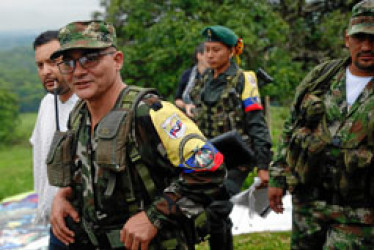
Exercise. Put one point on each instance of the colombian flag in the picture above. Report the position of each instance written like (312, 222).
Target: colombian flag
(250, 96)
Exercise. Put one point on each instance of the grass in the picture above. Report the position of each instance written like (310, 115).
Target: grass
(257, 241)
(16, 160)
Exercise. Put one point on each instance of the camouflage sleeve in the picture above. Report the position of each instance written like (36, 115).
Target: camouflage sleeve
(278, 168)
(171, 142)
(255, 124)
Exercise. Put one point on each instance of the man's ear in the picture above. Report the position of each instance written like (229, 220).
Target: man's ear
(346, 39)
(118, 58)
(232, 53)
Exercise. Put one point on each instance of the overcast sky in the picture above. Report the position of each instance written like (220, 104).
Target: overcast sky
(40, 15)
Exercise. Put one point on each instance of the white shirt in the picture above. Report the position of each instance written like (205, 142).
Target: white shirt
(41, 139)
(354, 86)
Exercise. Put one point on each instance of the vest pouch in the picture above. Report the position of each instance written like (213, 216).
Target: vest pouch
(356, 181)
(60, 159)
(313, 109)
(304, 154)
(294, 149)
(111, 141)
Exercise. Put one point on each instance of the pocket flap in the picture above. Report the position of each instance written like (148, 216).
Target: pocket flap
(110, 124)
(58, 137)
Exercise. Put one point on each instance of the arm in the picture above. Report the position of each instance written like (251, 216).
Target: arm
(279, 168)
(255, 124)
(181, 86)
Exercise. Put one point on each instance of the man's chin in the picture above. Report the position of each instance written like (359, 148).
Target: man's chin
(368, 68)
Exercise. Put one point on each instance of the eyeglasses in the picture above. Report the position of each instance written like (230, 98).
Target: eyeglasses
(87, 61)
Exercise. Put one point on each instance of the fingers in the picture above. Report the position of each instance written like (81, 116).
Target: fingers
(275, 196)
(62, 209)
(62, 232)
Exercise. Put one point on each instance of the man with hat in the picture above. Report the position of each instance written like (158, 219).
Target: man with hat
(133, 169)
(227, 100)
(325, 158)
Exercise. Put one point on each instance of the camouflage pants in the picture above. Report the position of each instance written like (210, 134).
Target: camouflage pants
(317, 225)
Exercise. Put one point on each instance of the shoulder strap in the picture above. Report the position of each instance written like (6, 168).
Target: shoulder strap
(130, 101)
(74, 116)
(321, 79)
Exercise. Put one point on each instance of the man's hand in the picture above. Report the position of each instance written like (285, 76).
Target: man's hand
(264, 177)
(138, 231)
(61, 208)
(275, 197)
(189, 110)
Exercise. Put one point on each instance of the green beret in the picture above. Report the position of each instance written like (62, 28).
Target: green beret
(221, 34)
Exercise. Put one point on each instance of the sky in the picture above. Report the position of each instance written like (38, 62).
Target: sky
(41, 15)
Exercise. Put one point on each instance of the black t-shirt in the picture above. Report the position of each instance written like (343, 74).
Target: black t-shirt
(183, 83)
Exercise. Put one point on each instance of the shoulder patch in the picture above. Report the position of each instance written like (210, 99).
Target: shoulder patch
(250, 95)
(174, 126)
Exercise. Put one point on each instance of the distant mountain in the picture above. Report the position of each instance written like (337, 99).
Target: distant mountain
(18, 73)
(10, 40)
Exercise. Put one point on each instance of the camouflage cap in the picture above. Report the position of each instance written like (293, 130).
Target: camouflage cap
(86, 35)
(221, 34)
(362, 20)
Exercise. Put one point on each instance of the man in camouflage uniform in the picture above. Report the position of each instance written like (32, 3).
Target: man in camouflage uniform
(130, 192)
(325, 158)
(227, 99)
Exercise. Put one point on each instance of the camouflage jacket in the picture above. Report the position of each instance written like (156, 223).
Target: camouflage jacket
(221, 100)
(326, 144)
(184, 168)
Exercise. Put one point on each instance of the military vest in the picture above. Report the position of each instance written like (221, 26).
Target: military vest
(125, 185)
(330, 148)
(225, 115)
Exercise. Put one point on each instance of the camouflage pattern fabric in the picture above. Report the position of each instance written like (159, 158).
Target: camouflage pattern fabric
(106, 206)
(362, 20)
(317, 225)
(86, 35)
(326, 157)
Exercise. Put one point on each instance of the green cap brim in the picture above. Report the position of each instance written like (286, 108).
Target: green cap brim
(79, 45)
(355, 29)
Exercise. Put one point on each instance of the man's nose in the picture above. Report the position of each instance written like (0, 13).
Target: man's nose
(78, 70)
(47, 69)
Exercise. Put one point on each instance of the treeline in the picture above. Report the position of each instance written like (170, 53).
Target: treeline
(18, 76)
(285, 37)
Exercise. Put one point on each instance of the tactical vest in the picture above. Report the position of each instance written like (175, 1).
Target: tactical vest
(120, 161)
(225, 115)
(343, 167)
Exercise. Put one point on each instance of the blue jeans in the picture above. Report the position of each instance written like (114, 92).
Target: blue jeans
(55, 243)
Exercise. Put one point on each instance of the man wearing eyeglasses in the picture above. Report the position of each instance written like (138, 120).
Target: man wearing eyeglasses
(137, 168)
(44, 45)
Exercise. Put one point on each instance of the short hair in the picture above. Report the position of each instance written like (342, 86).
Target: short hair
(45, 37)
(199, 49)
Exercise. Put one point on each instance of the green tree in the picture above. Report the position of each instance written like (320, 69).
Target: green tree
(8, 114)
(158, 37)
